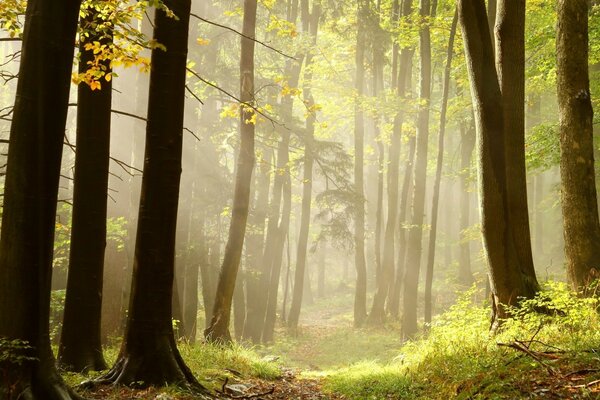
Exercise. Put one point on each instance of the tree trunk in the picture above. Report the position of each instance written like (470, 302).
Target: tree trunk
(30, 195)
(80, 346)
(283, 230)
(385, 280)
(300, 272)
(508, 283)
(438, 173)
(510, 64)
(579, 197)
(149, 355)
(415, 233)
(360, 295)
(254, 248)
(218, 329)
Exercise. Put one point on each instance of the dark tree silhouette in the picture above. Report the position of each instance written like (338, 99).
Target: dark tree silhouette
(149, 355)
(80, 346)
(30, 196)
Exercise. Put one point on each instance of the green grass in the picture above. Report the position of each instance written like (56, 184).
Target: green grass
(461, 359)
(211, 364)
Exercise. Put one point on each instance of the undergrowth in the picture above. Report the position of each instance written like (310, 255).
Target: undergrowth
(211, 364)
(533, 355)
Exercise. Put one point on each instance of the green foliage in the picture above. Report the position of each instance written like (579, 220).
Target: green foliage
(14, 352)
(459, 358)
(542, 150)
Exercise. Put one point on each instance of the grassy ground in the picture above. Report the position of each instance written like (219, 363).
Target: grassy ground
(534, 356)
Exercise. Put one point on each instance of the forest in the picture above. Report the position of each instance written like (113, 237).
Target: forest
(299, 199)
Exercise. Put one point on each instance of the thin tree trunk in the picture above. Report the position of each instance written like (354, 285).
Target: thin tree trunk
(438, 173)
(283, 230)
(255, 312)
(296, 305)
(219, 326)
(467, 144)
(579, 197)
(415, 233)
(385, 281)
(30, 195)
(360, 295)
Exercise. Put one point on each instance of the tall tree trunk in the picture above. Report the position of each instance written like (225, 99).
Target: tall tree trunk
(255, 312)
(385, 280)
(510, 64)
(149, 353)
(283, 230)
(407, 186)
(360, 295)
(508, 283)
(80, 346)
(415, 233)
(579, 197)
(438, 173)
(219, 326)
(309, 150)
(30, 195)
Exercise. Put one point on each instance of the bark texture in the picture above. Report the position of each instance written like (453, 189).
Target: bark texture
(579, 197)
(508, 283)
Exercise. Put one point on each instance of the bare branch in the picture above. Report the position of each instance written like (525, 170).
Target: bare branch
(242, 35)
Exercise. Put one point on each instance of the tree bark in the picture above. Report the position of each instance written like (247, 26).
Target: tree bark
(508, 283)
(579, 196)
(415, 233)
(218, 329)
(510, 64)
(438, 173)
(30, 196)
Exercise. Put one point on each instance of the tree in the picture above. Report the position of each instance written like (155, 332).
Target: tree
(218, 330)
(312, 26)
(30, 198)
(438, 172)
(385, 280)
(360, 296)
(80, 346)
(579, 197)
(510, 282)
(149, 355)
(415, 233)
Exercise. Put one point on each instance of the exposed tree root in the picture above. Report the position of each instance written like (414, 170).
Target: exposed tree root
(160, 367)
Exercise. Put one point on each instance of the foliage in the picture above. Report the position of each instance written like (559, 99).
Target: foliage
(459, 358)
(542, 149)
(11, 16)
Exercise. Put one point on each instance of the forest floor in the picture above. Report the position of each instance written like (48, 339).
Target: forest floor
(329, 359)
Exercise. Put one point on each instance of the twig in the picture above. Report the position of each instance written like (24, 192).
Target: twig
(242, 35)
(530, 353)
(190, 91)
